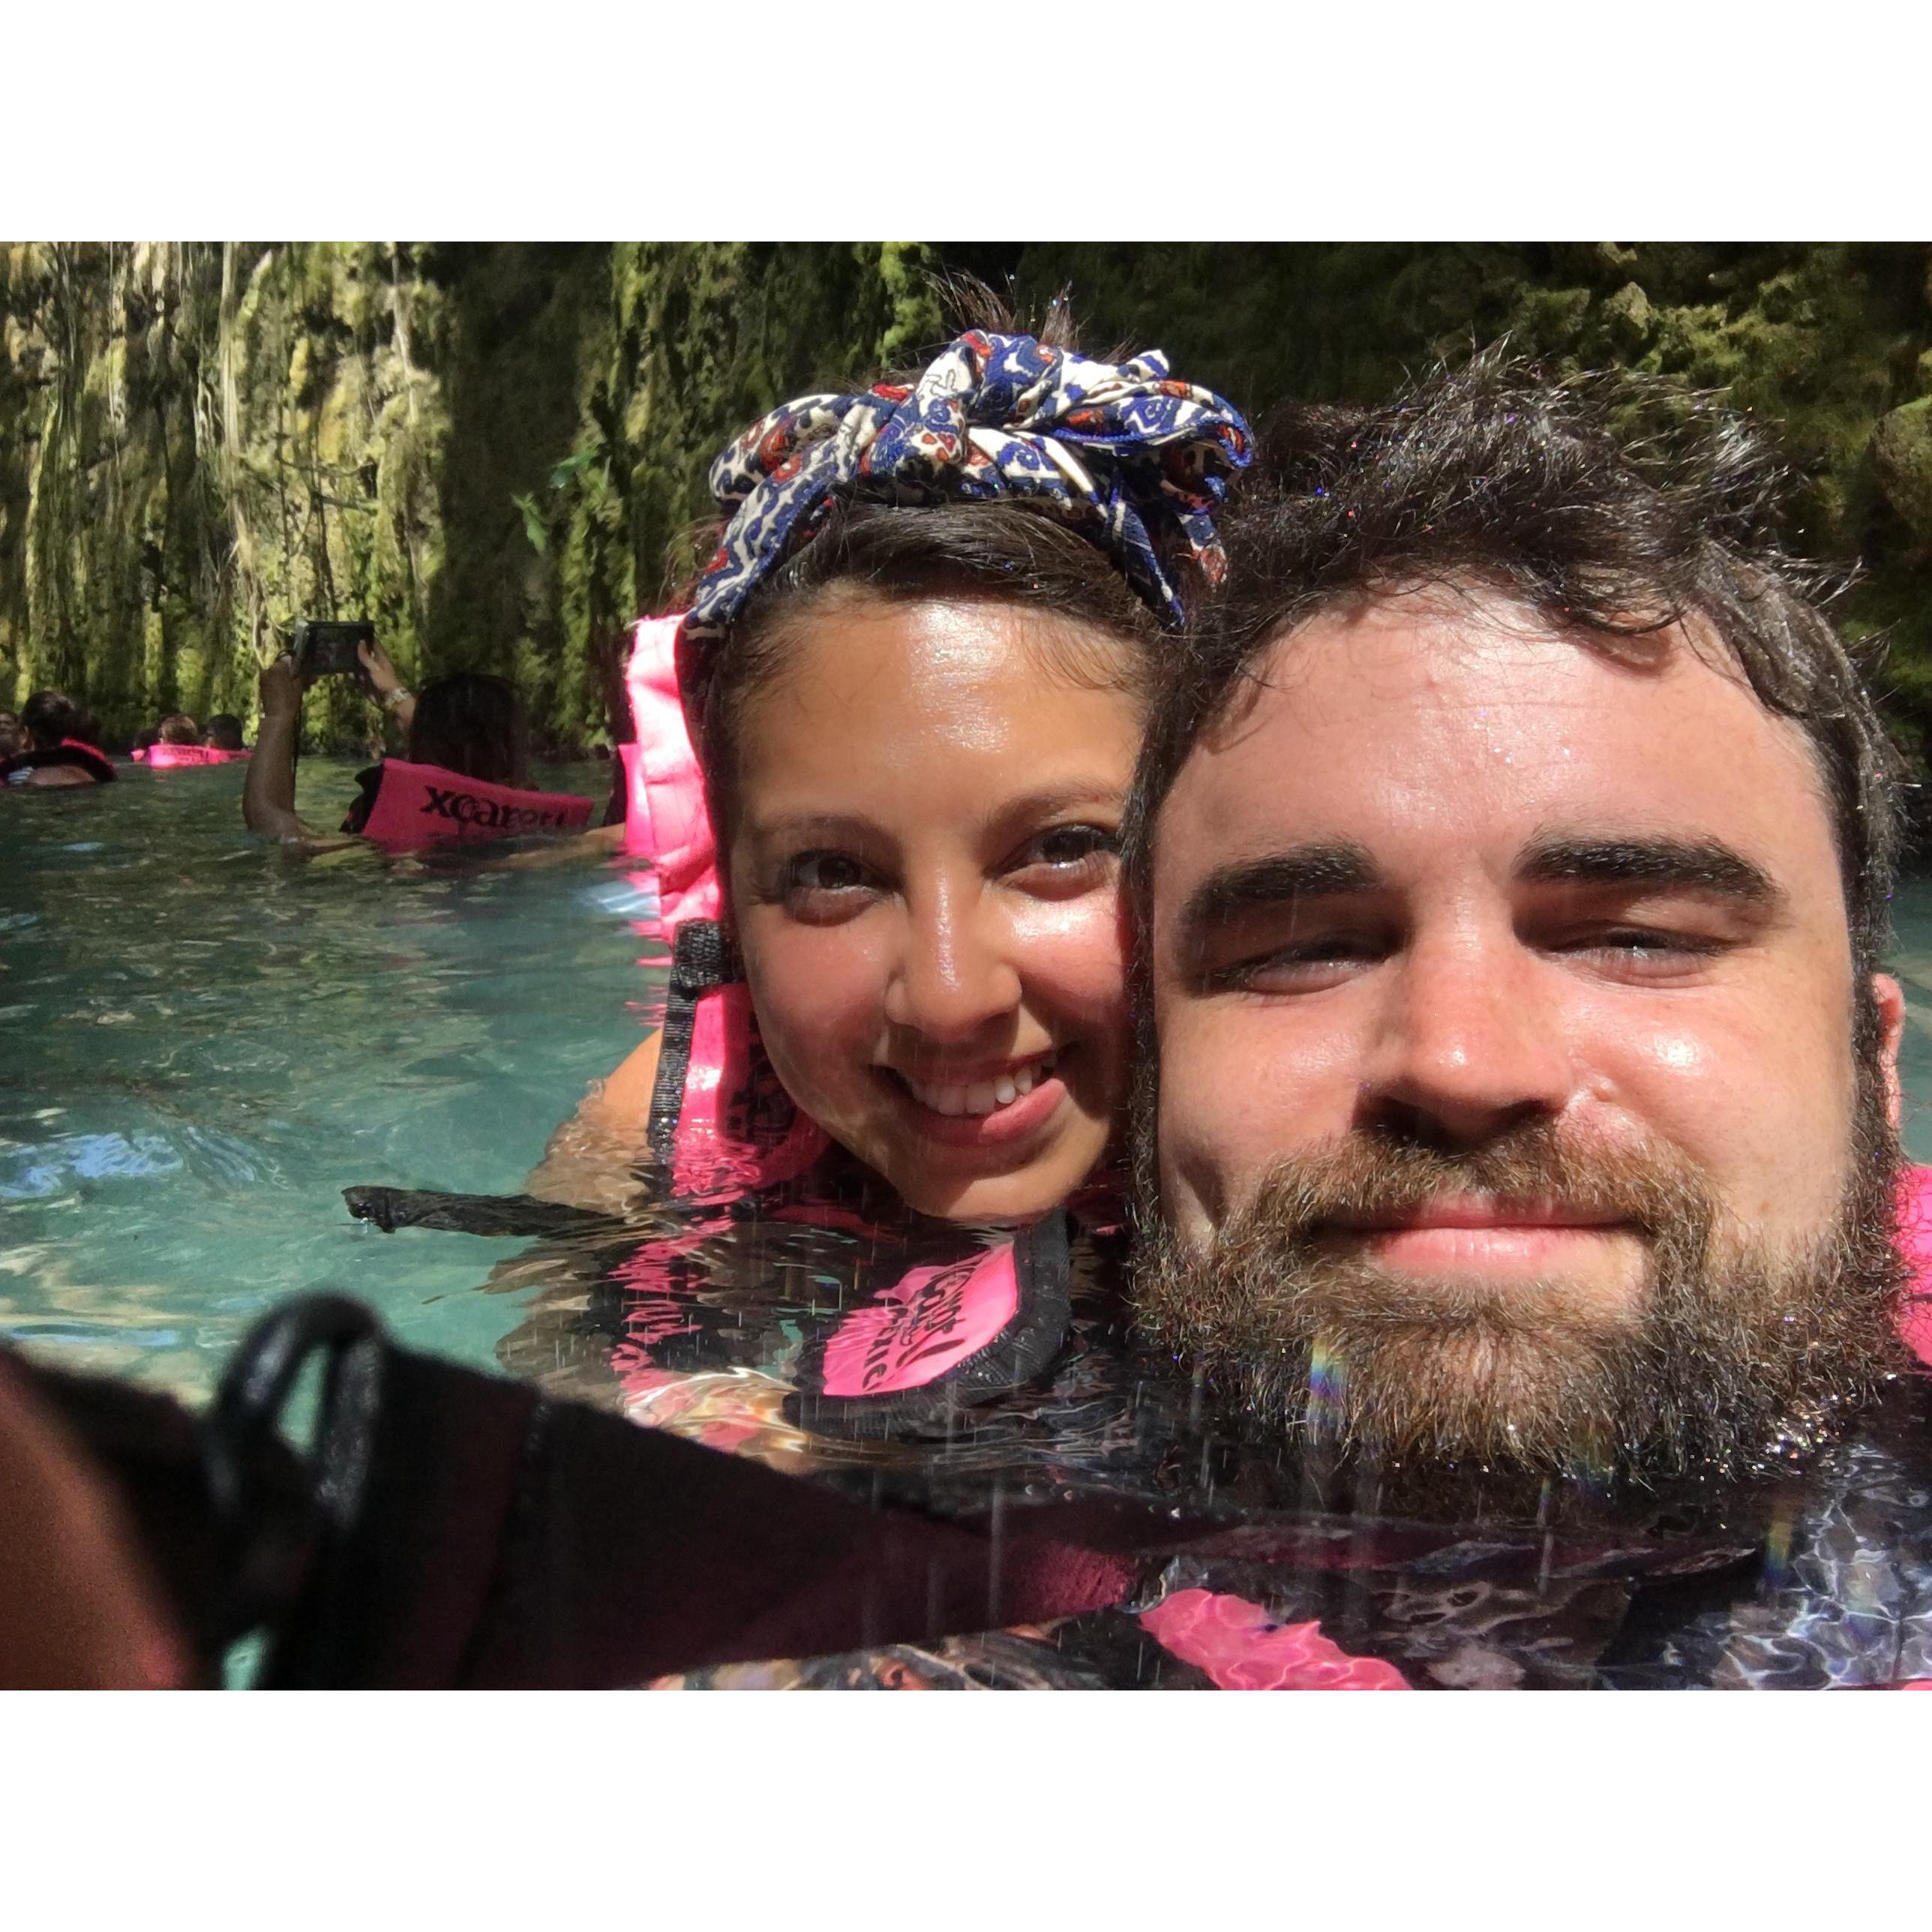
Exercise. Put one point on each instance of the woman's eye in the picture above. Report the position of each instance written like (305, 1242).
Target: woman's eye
(1066, 846)
(822, 872)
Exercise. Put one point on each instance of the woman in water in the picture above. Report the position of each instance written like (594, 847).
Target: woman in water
(466, 775)
(915, 671)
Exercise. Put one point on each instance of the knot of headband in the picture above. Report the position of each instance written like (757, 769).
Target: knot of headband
(1118, 452)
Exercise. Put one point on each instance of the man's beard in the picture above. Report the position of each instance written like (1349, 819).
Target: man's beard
(1736, 1352)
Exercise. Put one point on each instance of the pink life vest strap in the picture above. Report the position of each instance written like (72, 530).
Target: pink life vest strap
(425, 804)
(665, 817)
(160, 757)
(1915, 1243)
(721, 1124)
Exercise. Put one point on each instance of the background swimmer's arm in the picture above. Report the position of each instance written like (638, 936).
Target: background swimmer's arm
(398, 700)
(598, 843)
(268, 792)
(589, 1160)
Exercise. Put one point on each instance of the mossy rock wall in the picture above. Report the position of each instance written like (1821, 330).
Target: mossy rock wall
(492, 450)
(488, 450)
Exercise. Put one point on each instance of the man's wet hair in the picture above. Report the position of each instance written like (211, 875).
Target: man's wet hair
(224, 732)
(1614, 505)
(177, 728)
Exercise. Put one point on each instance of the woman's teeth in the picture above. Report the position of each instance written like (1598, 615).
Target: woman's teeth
(983, 1096)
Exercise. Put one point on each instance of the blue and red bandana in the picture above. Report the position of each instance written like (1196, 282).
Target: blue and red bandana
(1116, 451)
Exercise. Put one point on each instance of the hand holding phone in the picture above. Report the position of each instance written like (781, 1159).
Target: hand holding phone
(330, 650)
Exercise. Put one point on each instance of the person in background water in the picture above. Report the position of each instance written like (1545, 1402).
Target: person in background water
(56, 745)
(467, 738)
(224, 732)
(10, 734)
(177, 728)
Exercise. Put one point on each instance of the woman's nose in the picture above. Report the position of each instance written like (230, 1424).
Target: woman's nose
(955, 971)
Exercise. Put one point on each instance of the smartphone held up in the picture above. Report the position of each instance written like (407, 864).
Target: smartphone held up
(329, 650)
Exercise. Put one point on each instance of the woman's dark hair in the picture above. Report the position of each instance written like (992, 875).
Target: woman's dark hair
(872, 545)
(1614, 505)
(224, 732)
(52, 716)
(474, 724)
(177, 728)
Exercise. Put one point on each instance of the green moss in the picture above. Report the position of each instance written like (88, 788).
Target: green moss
(200, 443)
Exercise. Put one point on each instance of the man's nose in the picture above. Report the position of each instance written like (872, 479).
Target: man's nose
(1473, 1043)
(955, 971)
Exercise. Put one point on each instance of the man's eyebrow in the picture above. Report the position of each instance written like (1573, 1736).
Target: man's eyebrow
(1700, 865)
(1276, 878)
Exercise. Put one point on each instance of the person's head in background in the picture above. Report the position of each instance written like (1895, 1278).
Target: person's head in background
(146, 738)
(917, 668)
(49, 717)
(224, 732)
(177, 728)
(10, 734)
(473, 724)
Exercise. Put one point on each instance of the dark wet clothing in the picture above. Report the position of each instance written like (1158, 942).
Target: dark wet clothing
(368, 782)
(1259, 1565)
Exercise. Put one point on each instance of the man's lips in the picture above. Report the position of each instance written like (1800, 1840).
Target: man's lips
(1475, 1211)
(1477, 1236)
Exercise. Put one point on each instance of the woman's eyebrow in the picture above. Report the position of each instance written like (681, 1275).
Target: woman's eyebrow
(790, 825)
(1696, 864)
(1277, 878)
(1087, 793)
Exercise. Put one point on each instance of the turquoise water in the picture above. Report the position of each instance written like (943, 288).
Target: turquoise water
(202, 1041)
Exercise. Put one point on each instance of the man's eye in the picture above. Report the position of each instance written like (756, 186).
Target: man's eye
(1642, 951)
(1307, 966)
(1067, 846)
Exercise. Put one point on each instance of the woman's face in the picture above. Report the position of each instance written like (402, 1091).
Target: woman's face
(924, 886)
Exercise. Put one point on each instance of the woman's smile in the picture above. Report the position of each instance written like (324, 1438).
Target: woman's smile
(932, 931)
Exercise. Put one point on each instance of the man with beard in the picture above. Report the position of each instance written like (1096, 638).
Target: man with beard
(1516, 854)
(1512, 857)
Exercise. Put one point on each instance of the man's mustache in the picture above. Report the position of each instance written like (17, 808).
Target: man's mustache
(1375, 1177)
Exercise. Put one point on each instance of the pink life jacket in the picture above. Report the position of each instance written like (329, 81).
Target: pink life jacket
(425, 804)
(160, 757)
(720, 1121)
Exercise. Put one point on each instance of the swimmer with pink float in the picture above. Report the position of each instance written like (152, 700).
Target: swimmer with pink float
(462, 782)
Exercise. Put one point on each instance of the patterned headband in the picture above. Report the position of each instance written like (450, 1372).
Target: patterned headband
(1115, 452)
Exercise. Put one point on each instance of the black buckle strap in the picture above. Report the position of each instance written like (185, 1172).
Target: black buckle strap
(274, 1557)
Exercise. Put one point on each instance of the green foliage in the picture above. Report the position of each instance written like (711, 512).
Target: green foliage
(499, 452)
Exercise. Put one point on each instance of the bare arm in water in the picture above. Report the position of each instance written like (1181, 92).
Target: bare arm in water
(268, 792)
(590, 1159)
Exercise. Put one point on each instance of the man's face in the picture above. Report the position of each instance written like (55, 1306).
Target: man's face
(1508, 967)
